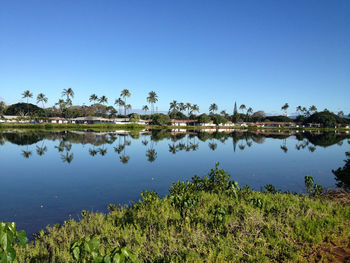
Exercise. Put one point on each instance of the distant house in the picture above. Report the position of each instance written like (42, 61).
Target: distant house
(144, 122)
(313, 125)
(276, 124)
(227, 124)
(91, 120)
(207, 124)
(183, 122)
(57, 120)
(10, 118)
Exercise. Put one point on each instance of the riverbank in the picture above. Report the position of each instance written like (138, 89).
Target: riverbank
(208, 219)
(134, 126)
(50, 126)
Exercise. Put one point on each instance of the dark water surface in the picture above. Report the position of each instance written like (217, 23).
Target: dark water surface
(48, 177)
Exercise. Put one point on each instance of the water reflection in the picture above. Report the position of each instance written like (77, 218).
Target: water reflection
(36, 141)
(342, 174)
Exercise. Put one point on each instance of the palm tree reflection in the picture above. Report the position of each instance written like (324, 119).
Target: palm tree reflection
(151, 155)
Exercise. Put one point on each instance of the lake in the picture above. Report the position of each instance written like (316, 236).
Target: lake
(49, 176)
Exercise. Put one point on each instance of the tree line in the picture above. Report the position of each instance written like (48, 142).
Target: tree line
(177, 110)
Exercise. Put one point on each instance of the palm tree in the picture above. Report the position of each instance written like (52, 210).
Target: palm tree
(223, 113)
(188, 106)
(68, 93)
(120, 103)
(195, 107)
(313, 109)
(125, 94)
(249, 112)
(62, 105)
(299, 109)
(27, 94)
(145, 108)
(213, 107)
(93, 98)
(128, 107)
(41, 98)
(152, 99)
(2, 107)
(174, 107)
(103, 100)
(284, 108)
(242, 108)
(182, 107)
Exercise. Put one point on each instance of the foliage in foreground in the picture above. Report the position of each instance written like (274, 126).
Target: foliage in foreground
(207, 219)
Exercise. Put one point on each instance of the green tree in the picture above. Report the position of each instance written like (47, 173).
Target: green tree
(103, 100)
(135, 117)
(27, 94)
(204, 118)
(152, 99)
(249, 112)
(93, 98)
(313, 109)
(174, 107)
(2, 107)
(120, 103)
(242, 108)
(145, 108)
(68, 93)
(284, 108)
(62, 105)
(182, 107)
(160, 119)
(235, 115)
(188, 107)
(299, 109)
(195, 108)
(213, 108)
(125, 94)
(218, 119)
(128, 107)
(41, 98)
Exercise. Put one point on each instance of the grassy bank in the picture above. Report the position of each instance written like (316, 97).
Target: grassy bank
(208, 219)
(49, 126)
(133, 126)
(250, 128)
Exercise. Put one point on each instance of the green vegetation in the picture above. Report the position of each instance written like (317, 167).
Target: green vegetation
(207, 219)
(327, 119)
(20, 109)
(106, 126)
(8, 238)
(160, 119)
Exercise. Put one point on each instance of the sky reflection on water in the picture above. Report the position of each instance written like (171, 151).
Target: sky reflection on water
(47, 177)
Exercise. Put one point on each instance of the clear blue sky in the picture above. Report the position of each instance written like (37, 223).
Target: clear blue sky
(260, 53)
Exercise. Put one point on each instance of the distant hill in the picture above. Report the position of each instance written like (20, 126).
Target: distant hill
(22, 109)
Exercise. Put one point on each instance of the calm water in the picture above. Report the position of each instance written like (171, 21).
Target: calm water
(47, 177)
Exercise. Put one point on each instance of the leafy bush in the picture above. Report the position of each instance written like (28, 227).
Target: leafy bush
(8, 238)
(160, 119)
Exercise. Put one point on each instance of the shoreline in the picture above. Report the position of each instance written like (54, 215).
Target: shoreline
(134, 126)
